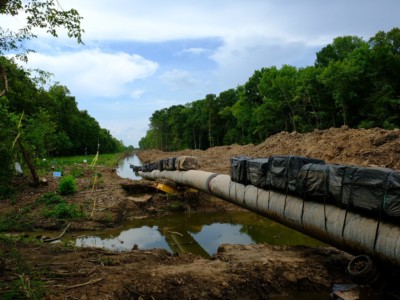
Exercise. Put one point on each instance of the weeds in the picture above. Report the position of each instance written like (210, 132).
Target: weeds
(13, 222)
(50, 199)
(23, 283)
(63, 210)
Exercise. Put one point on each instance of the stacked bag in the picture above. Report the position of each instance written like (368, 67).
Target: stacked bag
(373, 191)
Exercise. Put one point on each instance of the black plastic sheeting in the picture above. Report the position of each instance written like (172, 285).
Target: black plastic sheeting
(257, 170)
(151, 167)
(238, 169)
(368, 190)
(374, 191)
(283, 171)
(169, 164)
(312, 182)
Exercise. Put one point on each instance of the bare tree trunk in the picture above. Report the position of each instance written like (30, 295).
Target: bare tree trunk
(29, 163)
(4, 81)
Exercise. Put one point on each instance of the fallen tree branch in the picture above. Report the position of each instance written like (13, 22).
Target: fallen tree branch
(56, 238)
(93, 281)
(175, 232)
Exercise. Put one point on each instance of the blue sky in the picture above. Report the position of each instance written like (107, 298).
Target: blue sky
(140, 56)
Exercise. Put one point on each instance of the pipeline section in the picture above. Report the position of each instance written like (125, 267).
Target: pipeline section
(332, 225)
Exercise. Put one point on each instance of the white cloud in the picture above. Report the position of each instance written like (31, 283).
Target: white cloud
(194, 51)
(136, 94)
(238, 58)
(179, 79)
(93, 72)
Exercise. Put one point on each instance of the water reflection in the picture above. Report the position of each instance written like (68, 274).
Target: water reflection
(144, 238)
(124, 167)
(200, 234)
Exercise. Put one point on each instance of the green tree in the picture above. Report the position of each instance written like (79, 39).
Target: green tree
(20, 91)
(382, 105)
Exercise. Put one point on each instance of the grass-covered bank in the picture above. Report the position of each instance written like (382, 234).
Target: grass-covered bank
(58, 198)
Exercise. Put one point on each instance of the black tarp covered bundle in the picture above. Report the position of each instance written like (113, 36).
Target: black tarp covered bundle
(257, 169)
(375, 191)
(312, 182)
(151, 167)
(372, 190)
(238, 169)
(169, 164)
(283, 171)
(391, 201)
(136, 168)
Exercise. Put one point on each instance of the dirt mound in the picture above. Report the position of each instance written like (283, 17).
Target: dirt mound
(362, 147)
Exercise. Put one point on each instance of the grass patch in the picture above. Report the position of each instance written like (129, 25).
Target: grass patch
(109, 160)
(50, 199)
(63, 210)
(14, 222)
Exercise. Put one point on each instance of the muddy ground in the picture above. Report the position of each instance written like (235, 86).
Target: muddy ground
(60, 271)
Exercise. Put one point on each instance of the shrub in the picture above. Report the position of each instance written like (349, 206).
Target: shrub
(50, 199)
(67, 185)
(63, 210)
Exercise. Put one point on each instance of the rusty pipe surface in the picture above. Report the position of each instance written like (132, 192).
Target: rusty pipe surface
(333, 225)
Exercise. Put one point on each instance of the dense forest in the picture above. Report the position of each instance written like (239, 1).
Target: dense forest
(36, 123)
(353, 82)
(48, 121)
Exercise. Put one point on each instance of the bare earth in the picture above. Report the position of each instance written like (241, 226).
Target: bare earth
(235, 272)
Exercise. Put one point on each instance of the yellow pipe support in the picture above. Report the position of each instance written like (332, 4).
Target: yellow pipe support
(342, 229)
(166, 188)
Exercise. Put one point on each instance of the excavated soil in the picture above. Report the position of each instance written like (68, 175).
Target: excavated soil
(361, 147)
(61, 271)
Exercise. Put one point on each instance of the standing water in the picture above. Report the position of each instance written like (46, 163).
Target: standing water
(200, 234)
(124, 169)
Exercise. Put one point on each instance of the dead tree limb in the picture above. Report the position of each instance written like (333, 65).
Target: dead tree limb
(57, 238)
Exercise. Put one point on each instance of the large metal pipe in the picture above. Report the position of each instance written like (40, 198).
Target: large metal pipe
(335, 226)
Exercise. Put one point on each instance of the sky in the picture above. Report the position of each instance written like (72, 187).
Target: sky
(140, 56)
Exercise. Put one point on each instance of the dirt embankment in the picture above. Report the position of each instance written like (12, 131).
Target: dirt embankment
(361, 147)
(235, 272)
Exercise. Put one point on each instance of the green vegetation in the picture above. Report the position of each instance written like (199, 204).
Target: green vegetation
(63, 210)
(49, 199)
(55, 206)
(353, 82)
(109, 160)
(14, 221)
(67, 185)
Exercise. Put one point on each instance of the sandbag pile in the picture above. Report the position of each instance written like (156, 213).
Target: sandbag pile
(373, 191)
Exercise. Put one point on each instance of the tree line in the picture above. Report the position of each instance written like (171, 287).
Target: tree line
(37, 123)
(49, 121)
(353, 82)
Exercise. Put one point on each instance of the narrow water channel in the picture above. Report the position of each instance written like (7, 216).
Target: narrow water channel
(124, 169)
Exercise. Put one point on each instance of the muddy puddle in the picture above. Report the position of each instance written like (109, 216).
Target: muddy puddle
(199, 234)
